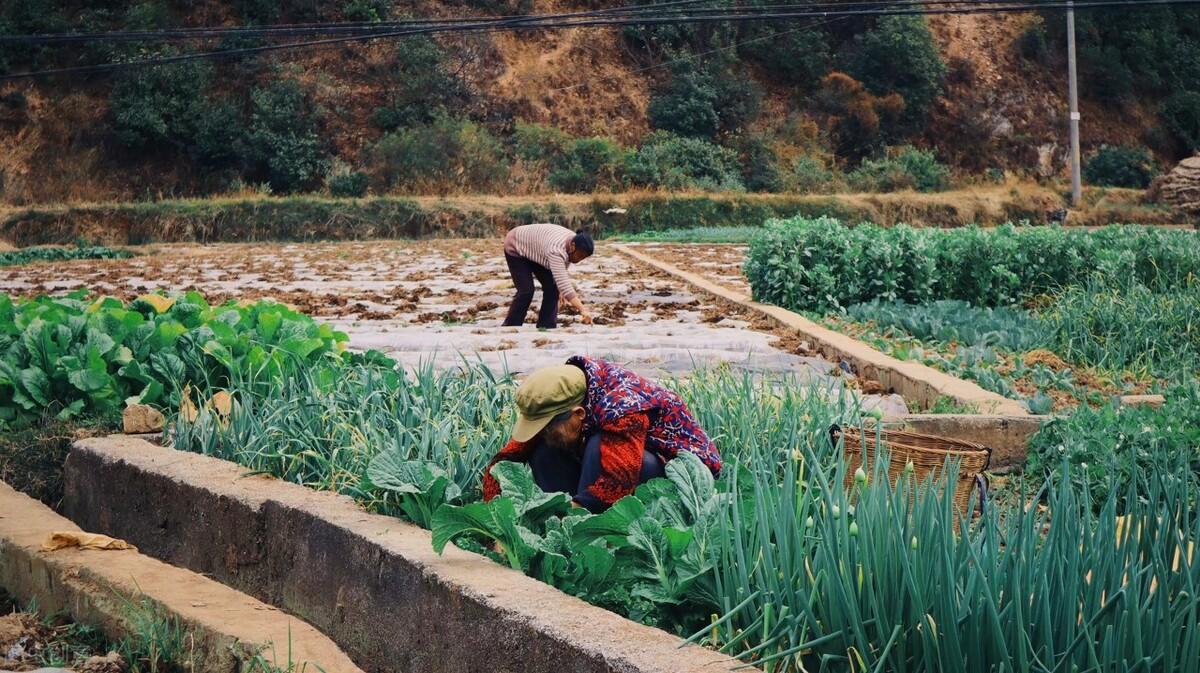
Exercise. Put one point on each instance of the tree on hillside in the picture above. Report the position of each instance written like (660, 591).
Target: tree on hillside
(701, 102)
(899, 56)
(284, 146)
(1133, 54)
(446, 155)
(1181, 116)
(674, 162)
(159, 106)
(688, 107)
(856, 117)
(420, 85)
(673, 40)
(797, 55)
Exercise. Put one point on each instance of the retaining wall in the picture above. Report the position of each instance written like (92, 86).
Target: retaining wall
(372, 583)
(109, 590)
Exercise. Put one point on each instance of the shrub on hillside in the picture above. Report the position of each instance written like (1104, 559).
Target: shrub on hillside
(220, 137)
(702, 102)
(760, 164)
(1181, 116)
(420, 85)
(347, 184)
(809, 175)
(688, 107)
(910, 168)
(1113, 166)
(587, 164)
(284, 146)
(538, 142)
(1134, 51)
(677, 163)
(160, 105)
(739, 97)
(448, 154)
(797, 56)
(259, 12)
(856, 117)
(671, 39)
(5, 56)
(366, 10)
(29, 17)
(1032, 45)
(899, 55)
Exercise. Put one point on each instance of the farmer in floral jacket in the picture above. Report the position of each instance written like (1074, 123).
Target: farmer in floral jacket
(596, 430)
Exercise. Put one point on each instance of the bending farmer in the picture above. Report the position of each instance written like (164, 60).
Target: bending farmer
(596, 430)
(544, 251)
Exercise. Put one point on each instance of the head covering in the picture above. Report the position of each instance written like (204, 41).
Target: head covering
(583, 243)
(545, 394)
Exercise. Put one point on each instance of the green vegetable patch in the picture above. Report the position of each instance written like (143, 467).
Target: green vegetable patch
(58, 254)
(1005, 351)
(781, 562)
(69, 357)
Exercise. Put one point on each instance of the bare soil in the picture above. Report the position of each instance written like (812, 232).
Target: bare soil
(29, 641)
(720, 263)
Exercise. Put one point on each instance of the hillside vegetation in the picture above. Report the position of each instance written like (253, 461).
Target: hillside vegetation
(843, 104)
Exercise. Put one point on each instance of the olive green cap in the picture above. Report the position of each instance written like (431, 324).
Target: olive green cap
(545, 394)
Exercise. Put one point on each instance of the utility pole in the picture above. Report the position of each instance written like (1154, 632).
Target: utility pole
(1073, 95)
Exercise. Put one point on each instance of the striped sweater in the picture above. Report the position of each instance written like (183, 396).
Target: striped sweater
(545, 245)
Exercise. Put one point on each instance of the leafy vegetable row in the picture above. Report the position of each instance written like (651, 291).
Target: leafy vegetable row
(56, 253)
(817, 264)
(800, 573)
(73, 356)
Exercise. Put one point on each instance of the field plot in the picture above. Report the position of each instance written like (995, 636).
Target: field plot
(789, 559)
(441, 301)
(1051, 338)
(719, 262)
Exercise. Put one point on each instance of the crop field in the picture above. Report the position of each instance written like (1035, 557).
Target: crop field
(441, 301)
(1056, 347)
(377, 370)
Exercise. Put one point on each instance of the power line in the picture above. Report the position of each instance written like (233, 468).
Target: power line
(356, 27)
(535, 22)
(368, 28)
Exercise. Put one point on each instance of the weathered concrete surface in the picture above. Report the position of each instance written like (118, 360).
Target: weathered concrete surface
(373, 583)
(1007, 436)
(1143, 400)
(228, 628)
(912, 380)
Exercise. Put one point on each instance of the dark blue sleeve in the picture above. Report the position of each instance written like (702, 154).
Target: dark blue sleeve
(588, 474)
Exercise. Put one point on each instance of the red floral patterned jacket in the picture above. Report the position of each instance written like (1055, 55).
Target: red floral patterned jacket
(631, 414)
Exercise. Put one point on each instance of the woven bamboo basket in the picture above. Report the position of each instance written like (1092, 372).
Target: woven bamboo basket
(930, 455)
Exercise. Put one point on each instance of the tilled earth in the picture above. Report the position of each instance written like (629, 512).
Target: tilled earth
(720, 263)
(444, 300)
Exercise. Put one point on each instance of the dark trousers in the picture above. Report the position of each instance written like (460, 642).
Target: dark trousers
(523, 272)
(558, 471)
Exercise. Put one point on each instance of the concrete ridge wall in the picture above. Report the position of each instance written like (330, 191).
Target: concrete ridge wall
(227, 628)
(371, 582)
(912, 380)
